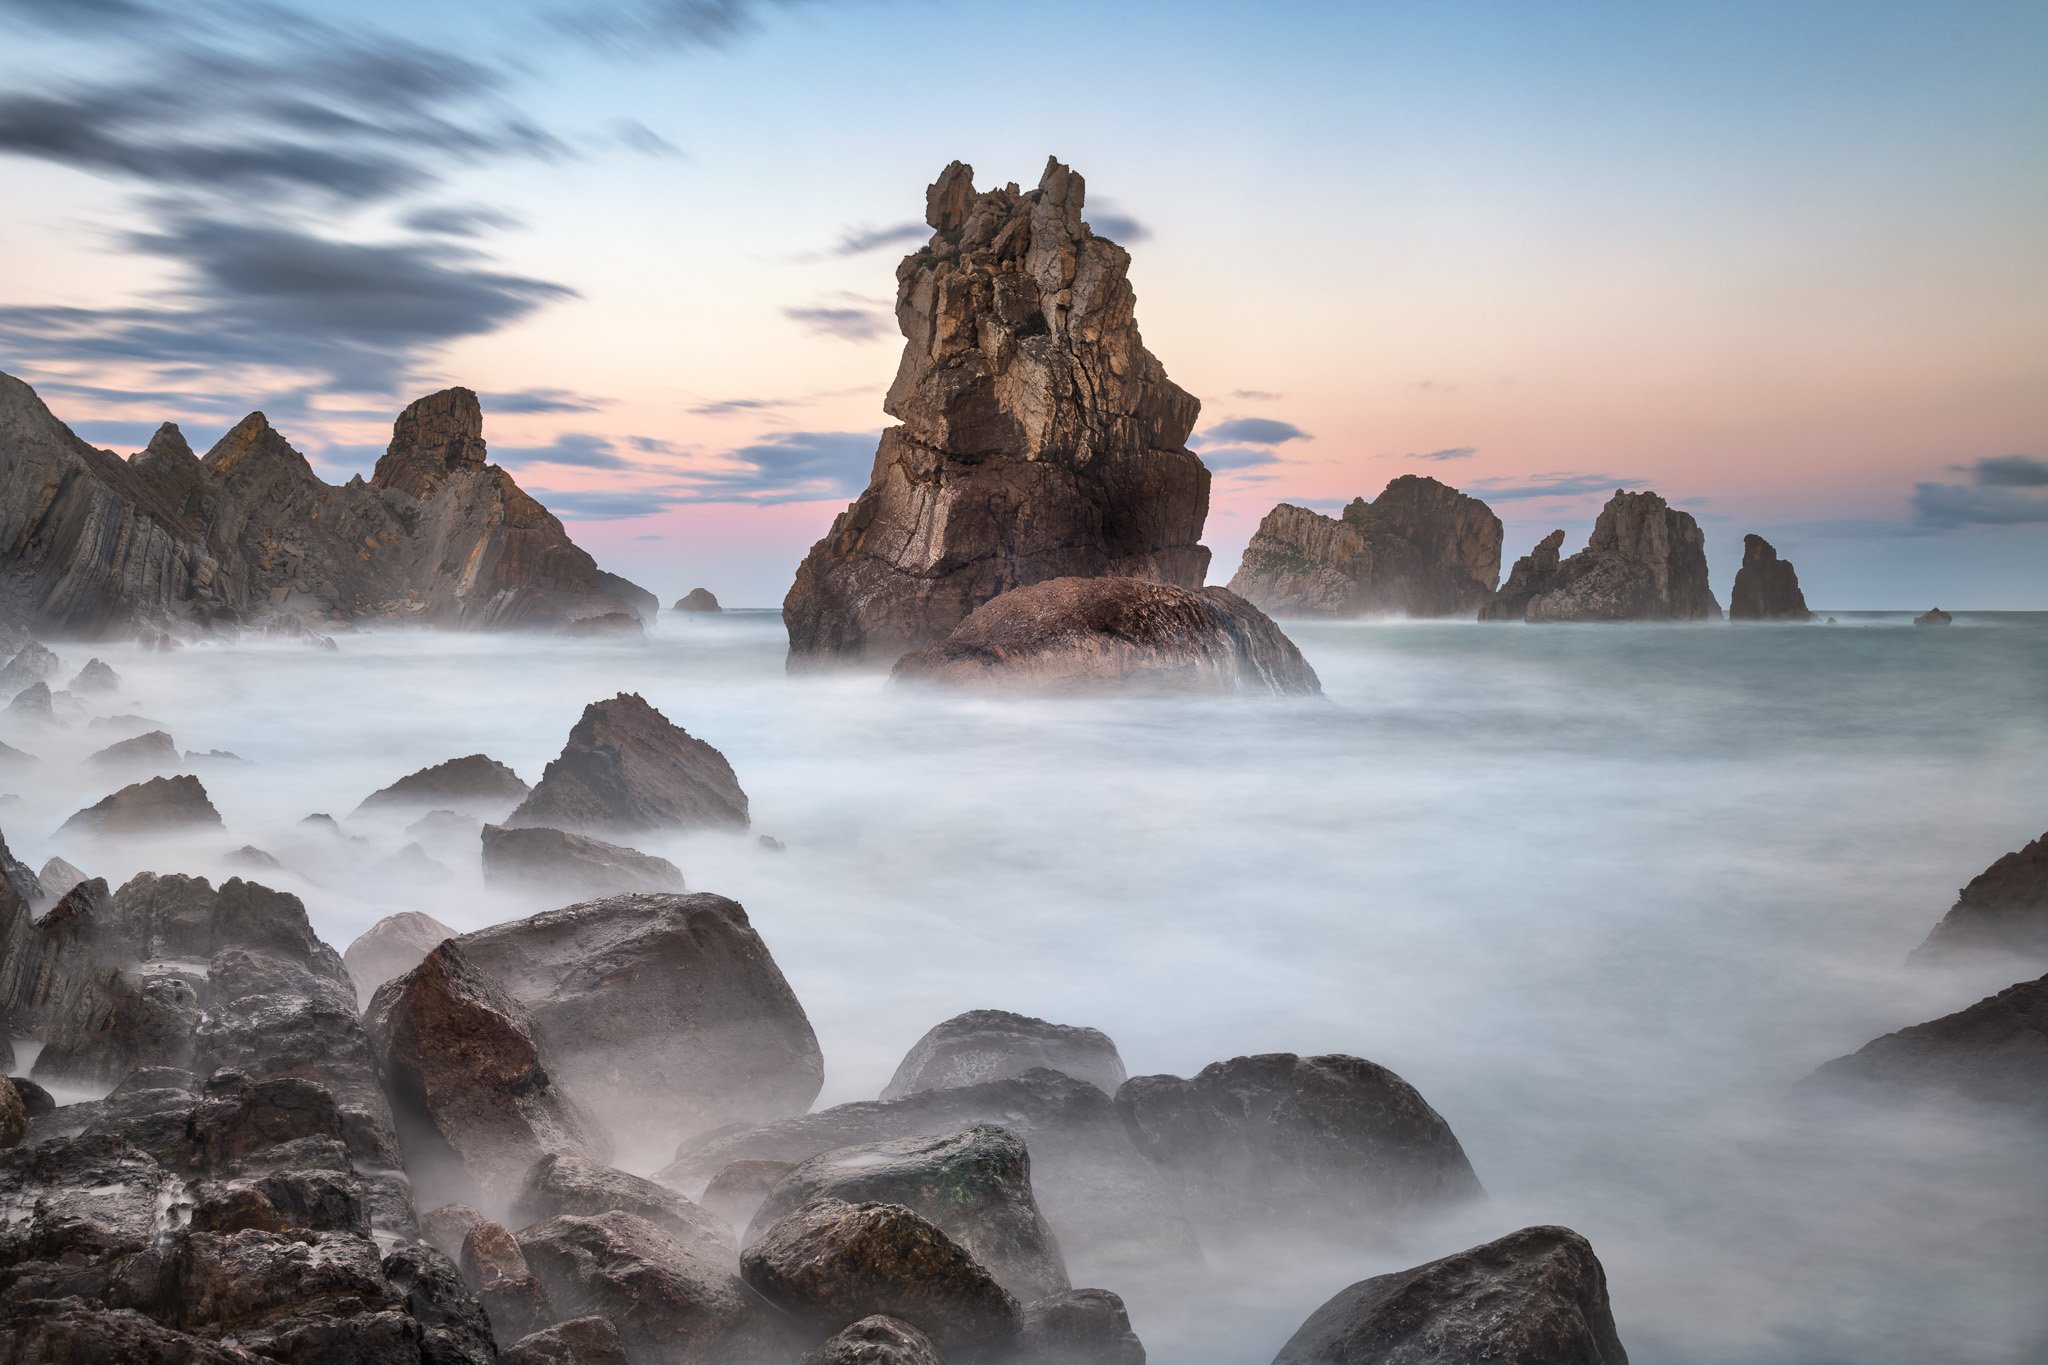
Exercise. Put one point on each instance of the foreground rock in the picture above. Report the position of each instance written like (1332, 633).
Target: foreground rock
(2004, 909)
(1993, 1054)
(390, 948)
(1039, 438)
(626, 769)
(1079, 1327)
(992, 1045)
(1766, 587)
(1645, 561)
(876, 1340)
(1421, 549)
(1097, 634)
(667, 1015)
(697, 600)
(554, 862)
(1535, 1297)
(476, 784)
(832, 1264)
(561, 1185)
(579, 1341)
(1934, 616)
(160, 805)
(1276, 1141)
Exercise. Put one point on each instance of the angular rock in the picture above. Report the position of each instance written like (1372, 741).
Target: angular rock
(556, 862)
(13, 1115)
(1934, 616)
(511, 1297)
(878, 1340)
(11, 757)
(33, 663)
(1104, 634)
(2004, 909)
(579, 1341)
(666, 1014)
(56, 879)
(476, 783)
(71, 1331)
(740, 1187)
(1039, 438)
(447, 1227)
(560, 1184)
(281, 1201)
(160, 805)
(96, 676)
(1535, 1297)
(1278, 1141)
(1422, 549)
(390, 948)
(697, 600)
(992, 1045)
(35, 1100)
(611, 625)
(153, 750)
(1079, 1327)
(1994, 1054)
(32, 703)
(1766, 587)
(626, 769)
(1645, 561)
(453, 1327)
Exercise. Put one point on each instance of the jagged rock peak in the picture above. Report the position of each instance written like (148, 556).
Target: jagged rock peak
(250, 442)
(436, 436)
(1766, 587)
(167, 444)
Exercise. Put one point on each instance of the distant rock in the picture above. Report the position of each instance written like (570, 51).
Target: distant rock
(991, 1045)
(1535, 1297)
(1645, 561)
(1934, 617)
(445, 826)
(56, 880)
(609, 625)
(255, 859)
(96, 676)
(1096, 634)
(1039, 439)
(213, 756)
(476, 784)
(153, 750)
(555, 862)
(877, 1340)
(2004, 909)
(33, 663)
(627, 769)
(390, 948)
(1995, 1054)
(1422, 549)
(133, 725)
(697, 600)
(11, 757)
(159, 805)
(32, 703)
(1766, 587)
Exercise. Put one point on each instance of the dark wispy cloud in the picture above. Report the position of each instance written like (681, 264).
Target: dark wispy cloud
(1257, 431)
(794, 466)
(1120, 228)
(855, 241)
(539, 400)
(1447, 453)
(579, 449)
(584, 504)
(726, 407)
(1256, 395)
(2004, 490)
(1222, 458)
(458, 220)
(632, 28)
(1547, 486)
(846, 321)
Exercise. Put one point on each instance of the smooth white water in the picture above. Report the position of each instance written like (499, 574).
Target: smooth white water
(1603, 894)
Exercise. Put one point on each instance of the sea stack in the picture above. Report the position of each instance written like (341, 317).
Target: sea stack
(1037, 437)
(1645, 561)
(1766, 587)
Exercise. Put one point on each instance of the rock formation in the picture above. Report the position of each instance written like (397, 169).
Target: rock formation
(96, 676)
(698, 600)
(876, 1340)
(390, 948)
(1535, 1297)
(1108, 634)
(1994, 1054)
(551, 862)
(1766, 587)
(32, 663)
(1038, 438)
(2003, 909)
(993, 1045)
(477, 784)
(95, 544)
(1934, 616)
(1422, 549)
(155, 806)
(155, 751)
(626, 769)
(1645, 561)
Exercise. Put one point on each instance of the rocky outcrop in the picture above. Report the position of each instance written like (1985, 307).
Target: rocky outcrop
(95, 544)
(1934, 616)
(33, 703)
(1421, 549)
(552, 862)
(32, 663)
(697, 600)
(1038, 438)
(1766, 587)
(390, 948)
(1645, 561)
(1073, 635)
(1535, 1297)
(2004, 909)
(96, 676)
(992, 1045)
(1993, 1054)
(477, 784)
(153, 750)
(667, 1015)
(160, 805)
(1283, 1141)
(877, 1340)
(626, 769)
(1079, 1327)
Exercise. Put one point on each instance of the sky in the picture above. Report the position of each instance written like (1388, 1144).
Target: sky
(1785, 264)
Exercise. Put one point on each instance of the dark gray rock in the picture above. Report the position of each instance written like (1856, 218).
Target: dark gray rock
(476, 784)
(153, 751)
(626, 769)
(160, 805)
(560, 1184)
(579, 1341)
(72, 1331)
(877, 1340)
(1645, 561)
(1766, 587)
(1421, 548)
(992, 1045)
(697, 600)
(1934, 616)
(2004, 909)
(555, 862)
(1994, 1054)
(33, 704)
(1532, 574)
(390, 948)
(453, 1327)
(1078, 1327)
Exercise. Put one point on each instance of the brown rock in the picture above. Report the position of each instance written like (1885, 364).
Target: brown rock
(877, 1340)
(496, 1269)
(989, 1045)
(447, 1227)
(13, 1115)
(477, 783)
(1422, 549)
(2004, 909)
(390, 948)
(1079, 1327)
(697, 600)
(559, 863)
(159, 805)
(1645, 561)
(1766, 587)
(627, 769)
(579, 1341)
(1070, 635)
(1934, 616)
(1039, 438)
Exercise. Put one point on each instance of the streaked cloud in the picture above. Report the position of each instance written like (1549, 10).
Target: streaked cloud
(1547, 486)
(1257, 431)
(1448, 453)
(1222, 458)
(577, 449)
(2004, 490)
(846, 321)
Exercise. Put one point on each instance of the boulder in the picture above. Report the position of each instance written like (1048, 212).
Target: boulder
(477, 784)
(71, 1331)
(559, 1185)
(627, 769)
(35, 1100)
(832, 1263)
(579, 1341)
(666, 1013)
(974, 1185)
(555, 862)
(1038, 438)
(496, 1268)
(96, 676)
(160, 805)
(1277, 1141)
(452, 1324)
(1766, 587)
(32, 663)
(1422, 549)
(740, 1187)
(1103, 634)
(13, 1115)
(471, 1085)
(390, 948)
(2004, 909)
(1079, 1327)
(876, 1340)
(1645, 561)
(1934, 616)
(992, 1045)
(1535, 1297)
(698, 600)
(609, 625)
(446, 1228)
(153, 750)
(1993, 1054)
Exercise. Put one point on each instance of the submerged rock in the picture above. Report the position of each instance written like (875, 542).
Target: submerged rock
(1535, 1297)
(554, 861)
(1421, 549)
(1094, 634)
(991, 1045)
(697, 600)
(1994, 1054)
(2004, 909)
(390, 948)
(476, 783)
(1039, 438)
(1934, 616)
(1766, 587)
(160, 805)
(627, 769)
(1645, 561)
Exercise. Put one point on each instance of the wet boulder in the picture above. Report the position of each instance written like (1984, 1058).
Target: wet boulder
(446, 1227)
(2004, 909)
(281, 1201)
(72, 1331)
(496, 1268)
(555, 862)
(13, 1115)
(579, 1341)
(697, 600)
(627, 769)
(992, 1045)
(1535, 1297)
(1993, 1054)
(476, 784)
(35, 1100)
(877, 1340)
(1079, 1327)
(560, 1184)
(160, 805)
(390, 948)
(740, 1187)
(453, 1327)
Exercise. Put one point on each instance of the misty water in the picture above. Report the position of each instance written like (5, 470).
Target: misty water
(1603, 894)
